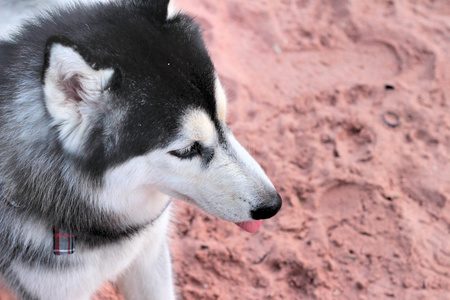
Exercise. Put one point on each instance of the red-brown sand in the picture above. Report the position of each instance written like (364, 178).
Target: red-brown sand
(366, 210)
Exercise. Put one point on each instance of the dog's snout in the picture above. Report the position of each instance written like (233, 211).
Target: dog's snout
(266, 211)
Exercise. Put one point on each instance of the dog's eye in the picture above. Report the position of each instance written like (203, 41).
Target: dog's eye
(188, 152)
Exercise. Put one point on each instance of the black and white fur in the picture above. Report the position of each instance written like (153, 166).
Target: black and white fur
(106, 111)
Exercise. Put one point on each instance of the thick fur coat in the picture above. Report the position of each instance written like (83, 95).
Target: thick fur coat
(106, 110)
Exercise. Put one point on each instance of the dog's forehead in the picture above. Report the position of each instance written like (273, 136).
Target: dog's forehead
(170, 67)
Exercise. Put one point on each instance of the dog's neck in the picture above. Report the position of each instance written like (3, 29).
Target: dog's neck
(64, 239)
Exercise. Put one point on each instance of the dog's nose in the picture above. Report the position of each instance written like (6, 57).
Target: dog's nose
(267, 211)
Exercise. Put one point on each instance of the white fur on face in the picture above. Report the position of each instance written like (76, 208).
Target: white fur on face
(229, 187)
(172, 10)
(221, 100)
(73, 94)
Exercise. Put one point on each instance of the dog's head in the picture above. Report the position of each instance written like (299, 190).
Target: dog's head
(139, 103)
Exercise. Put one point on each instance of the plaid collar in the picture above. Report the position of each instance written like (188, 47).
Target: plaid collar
(64, 240)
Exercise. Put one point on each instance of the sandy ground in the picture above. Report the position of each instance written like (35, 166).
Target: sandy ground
(345, 104)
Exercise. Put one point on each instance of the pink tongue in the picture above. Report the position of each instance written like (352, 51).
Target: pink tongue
(250, 226)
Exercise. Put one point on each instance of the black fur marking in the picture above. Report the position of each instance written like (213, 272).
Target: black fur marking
(96, 237)
(207, 155)
(221, 132)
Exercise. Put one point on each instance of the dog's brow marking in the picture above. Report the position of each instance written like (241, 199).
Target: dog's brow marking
(198, 126)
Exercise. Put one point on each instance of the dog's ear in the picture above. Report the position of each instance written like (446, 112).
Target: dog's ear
(163, 9)
(75, 89)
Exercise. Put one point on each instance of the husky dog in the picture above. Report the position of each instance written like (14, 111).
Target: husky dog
(107, 111)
